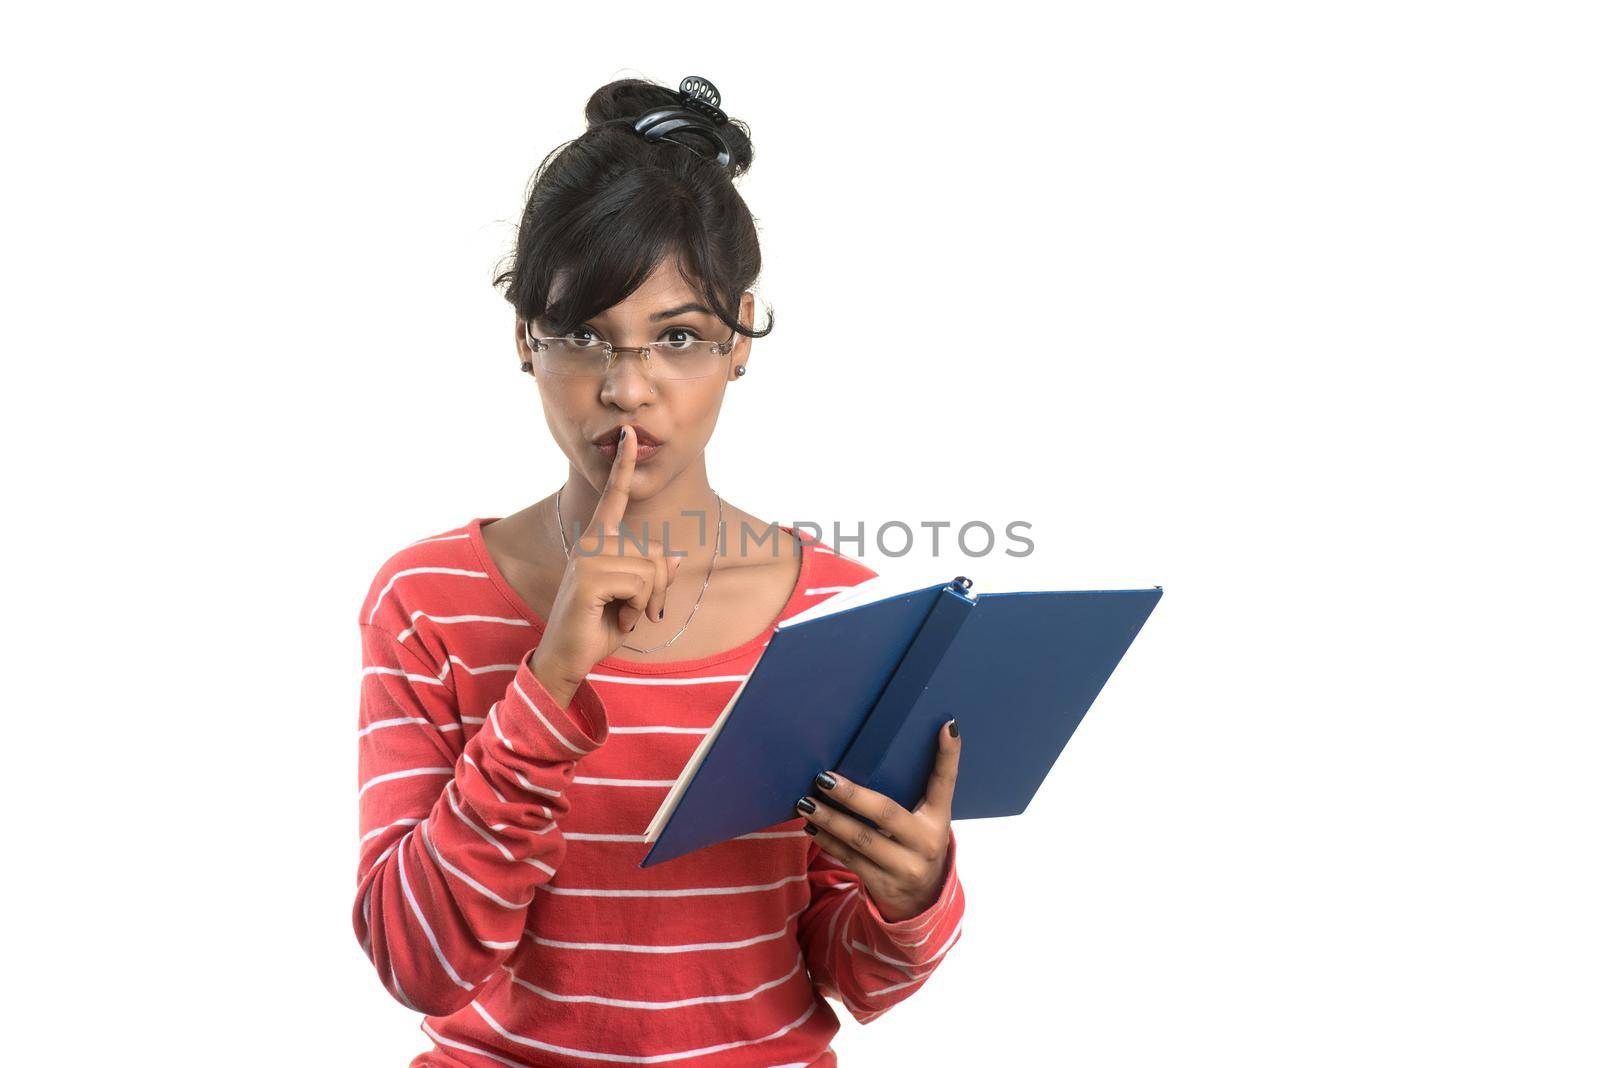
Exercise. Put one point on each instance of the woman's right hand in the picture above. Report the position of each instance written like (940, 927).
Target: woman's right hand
(609, 585)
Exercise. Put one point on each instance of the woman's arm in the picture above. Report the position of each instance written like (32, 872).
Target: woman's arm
(855, 955)
(455, 839)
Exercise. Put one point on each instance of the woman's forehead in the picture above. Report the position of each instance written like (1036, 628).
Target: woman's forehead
(662, 292)
(657, 304)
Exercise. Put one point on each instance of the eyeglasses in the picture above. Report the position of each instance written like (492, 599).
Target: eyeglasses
(592, 358)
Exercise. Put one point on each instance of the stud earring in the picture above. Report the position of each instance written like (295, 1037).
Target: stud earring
(739, 371)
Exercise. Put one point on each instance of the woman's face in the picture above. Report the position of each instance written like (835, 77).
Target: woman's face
(680, 413)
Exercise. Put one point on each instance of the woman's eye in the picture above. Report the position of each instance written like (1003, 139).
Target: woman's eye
(688, 335)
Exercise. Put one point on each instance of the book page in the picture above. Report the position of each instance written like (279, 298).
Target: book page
(878, 588)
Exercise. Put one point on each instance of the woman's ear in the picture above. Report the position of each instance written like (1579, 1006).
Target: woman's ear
(741, 344)
(524, 353)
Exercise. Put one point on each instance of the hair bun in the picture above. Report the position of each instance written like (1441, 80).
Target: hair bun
(626, 99)
(622, 102)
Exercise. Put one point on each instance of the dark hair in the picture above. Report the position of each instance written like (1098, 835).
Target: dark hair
(606, 208)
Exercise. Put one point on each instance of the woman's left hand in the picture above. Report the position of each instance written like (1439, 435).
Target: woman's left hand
(902, 862)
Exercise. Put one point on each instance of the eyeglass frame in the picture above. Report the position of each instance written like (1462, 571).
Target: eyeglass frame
(642, 350)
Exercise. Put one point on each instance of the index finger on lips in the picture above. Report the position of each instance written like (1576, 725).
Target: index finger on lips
(613, 502)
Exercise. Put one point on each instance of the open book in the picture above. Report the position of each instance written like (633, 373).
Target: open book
(862, 682)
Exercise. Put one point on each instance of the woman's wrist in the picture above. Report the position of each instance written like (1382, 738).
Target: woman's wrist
(560, 688)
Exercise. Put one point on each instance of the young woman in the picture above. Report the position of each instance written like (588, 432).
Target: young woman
(533, 684)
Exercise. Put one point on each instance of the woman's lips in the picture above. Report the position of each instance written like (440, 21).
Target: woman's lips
(642, 454)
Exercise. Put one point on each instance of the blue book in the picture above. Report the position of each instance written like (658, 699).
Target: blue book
(861, 684)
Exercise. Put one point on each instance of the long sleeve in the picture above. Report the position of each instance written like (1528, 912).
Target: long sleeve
(858, 957)
(456, 838)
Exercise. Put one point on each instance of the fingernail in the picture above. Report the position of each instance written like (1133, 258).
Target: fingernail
(826, 781)
(805, 804)
(622, 435)
(662, 614)
(811, 829)
(955, 732)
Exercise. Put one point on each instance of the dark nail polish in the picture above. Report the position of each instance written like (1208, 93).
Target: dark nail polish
(662, 614)
(811, 829)
(955, 731)
(805, 804)
(826, 781)
(622, 435)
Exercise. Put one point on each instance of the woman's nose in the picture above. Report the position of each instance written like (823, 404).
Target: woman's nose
(627, 383)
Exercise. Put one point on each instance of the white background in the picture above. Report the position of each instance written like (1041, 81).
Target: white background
(1292, 311)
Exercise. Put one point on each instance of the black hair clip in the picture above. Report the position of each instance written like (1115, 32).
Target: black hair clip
(700, 94)
(700, 112)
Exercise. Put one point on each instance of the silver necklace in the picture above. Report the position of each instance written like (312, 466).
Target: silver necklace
(562, 526)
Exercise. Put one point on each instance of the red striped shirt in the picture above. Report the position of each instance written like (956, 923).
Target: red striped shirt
(499, 890)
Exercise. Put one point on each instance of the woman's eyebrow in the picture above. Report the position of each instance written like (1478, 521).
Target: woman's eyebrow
(680, 309)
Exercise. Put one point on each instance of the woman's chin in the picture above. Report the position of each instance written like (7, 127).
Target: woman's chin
(645, 481)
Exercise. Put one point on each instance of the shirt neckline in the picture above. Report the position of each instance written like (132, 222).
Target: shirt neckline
(654, 667)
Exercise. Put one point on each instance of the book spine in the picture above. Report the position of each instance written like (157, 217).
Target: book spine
(950, 610)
